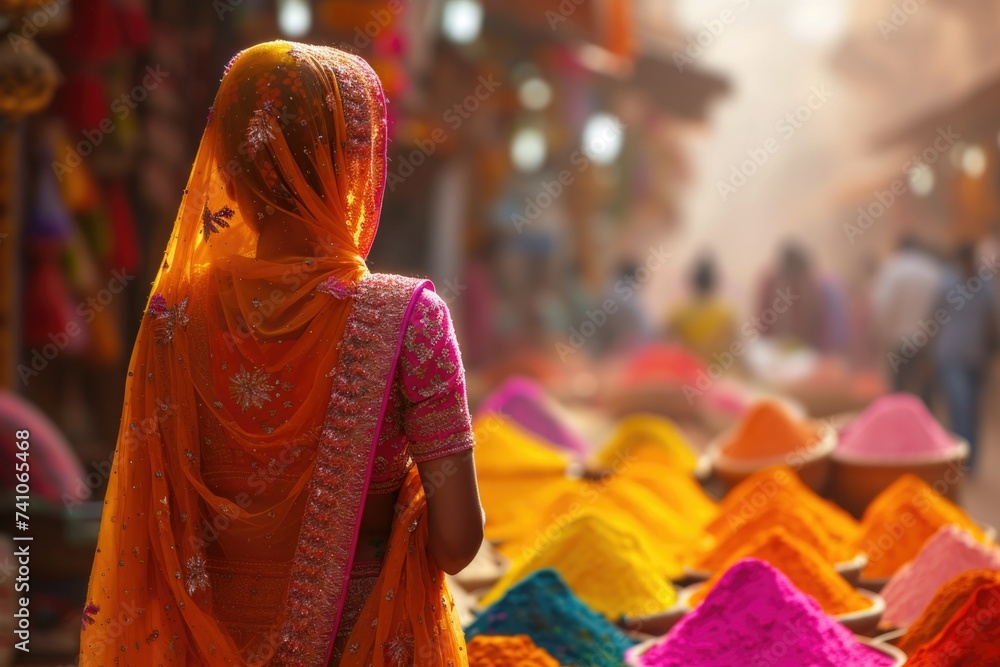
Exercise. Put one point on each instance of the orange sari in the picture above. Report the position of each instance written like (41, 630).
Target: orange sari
(260, 390)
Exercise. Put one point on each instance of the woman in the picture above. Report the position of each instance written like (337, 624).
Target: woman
(263, 507)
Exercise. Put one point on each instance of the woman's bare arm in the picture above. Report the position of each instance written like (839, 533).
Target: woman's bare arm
(454, 511)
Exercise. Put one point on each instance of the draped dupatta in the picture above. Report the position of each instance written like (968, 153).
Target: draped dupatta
(257, 383)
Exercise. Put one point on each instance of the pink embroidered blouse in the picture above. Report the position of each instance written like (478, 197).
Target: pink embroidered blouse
(427, 414)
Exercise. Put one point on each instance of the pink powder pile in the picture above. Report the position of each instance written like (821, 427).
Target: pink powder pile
(755, 616)
(895, 427)
(948, 554)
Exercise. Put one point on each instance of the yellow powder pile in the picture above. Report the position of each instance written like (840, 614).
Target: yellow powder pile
(497, 651)
(790, 517)
(611, 569)
(901, 519)
(798, 561)
(671, 536)
(648, 438)
(517, 475)
(780, 487)
(672, 488)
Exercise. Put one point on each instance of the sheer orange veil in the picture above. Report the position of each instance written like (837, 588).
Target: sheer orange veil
(229, 377)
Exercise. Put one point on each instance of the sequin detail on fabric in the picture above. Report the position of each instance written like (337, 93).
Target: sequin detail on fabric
(336, 493)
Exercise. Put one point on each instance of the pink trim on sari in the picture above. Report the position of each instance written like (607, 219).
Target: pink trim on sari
(369, 354)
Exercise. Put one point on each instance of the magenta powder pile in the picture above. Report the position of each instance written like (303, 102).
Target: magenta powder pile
(755, 616)
(948, 554)
(895, 427)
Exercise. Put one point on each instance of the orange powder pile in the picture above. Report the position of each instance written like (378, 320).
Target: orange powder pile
(767, 431)
(798, 561)
(949, 599)
(901, 519)
(779, 487)
(794, 520)
(497, 651)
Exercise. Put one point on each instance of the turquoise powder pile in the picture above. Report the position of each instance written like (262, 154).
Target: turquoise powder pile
(755, 617)
(543, 607)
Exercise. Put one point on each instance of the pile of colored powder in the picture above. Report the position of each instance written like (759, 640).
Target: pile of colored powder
(517, 474)
(660, 364)
(650, 437)
(674, 489)
(544, 608)
(768, 430)
(803, 566)
(895, 427)
(524, 402)
(779, 486)
(946, 602)
(612, 570)
(796, 522)
(756, 616)
(948, 553)
(901, 519)
(970, 639)
(632, 508)
(485, 651)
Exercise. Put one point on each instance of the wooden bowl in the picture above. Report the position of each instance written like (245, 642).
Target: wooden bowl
(854, 483)
(812, 467)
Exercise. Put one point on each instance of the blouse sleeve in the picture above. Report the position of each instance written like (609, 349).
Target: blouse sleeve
(436, 413)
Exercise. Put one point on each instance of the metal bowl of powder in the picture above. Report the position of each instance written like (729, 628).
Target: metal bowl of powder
(885, 649)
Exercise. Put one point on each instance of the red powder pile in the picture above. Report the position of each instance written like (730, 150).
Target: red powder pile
(768, 430)
(970, 639)
(755, 616)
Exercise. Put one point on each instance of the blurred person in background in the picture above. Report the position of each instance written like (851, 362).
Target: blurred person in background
(627, 325)
(965, 343)
(904, 294)
(795, 282)
(284, 407)
(706, 321)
